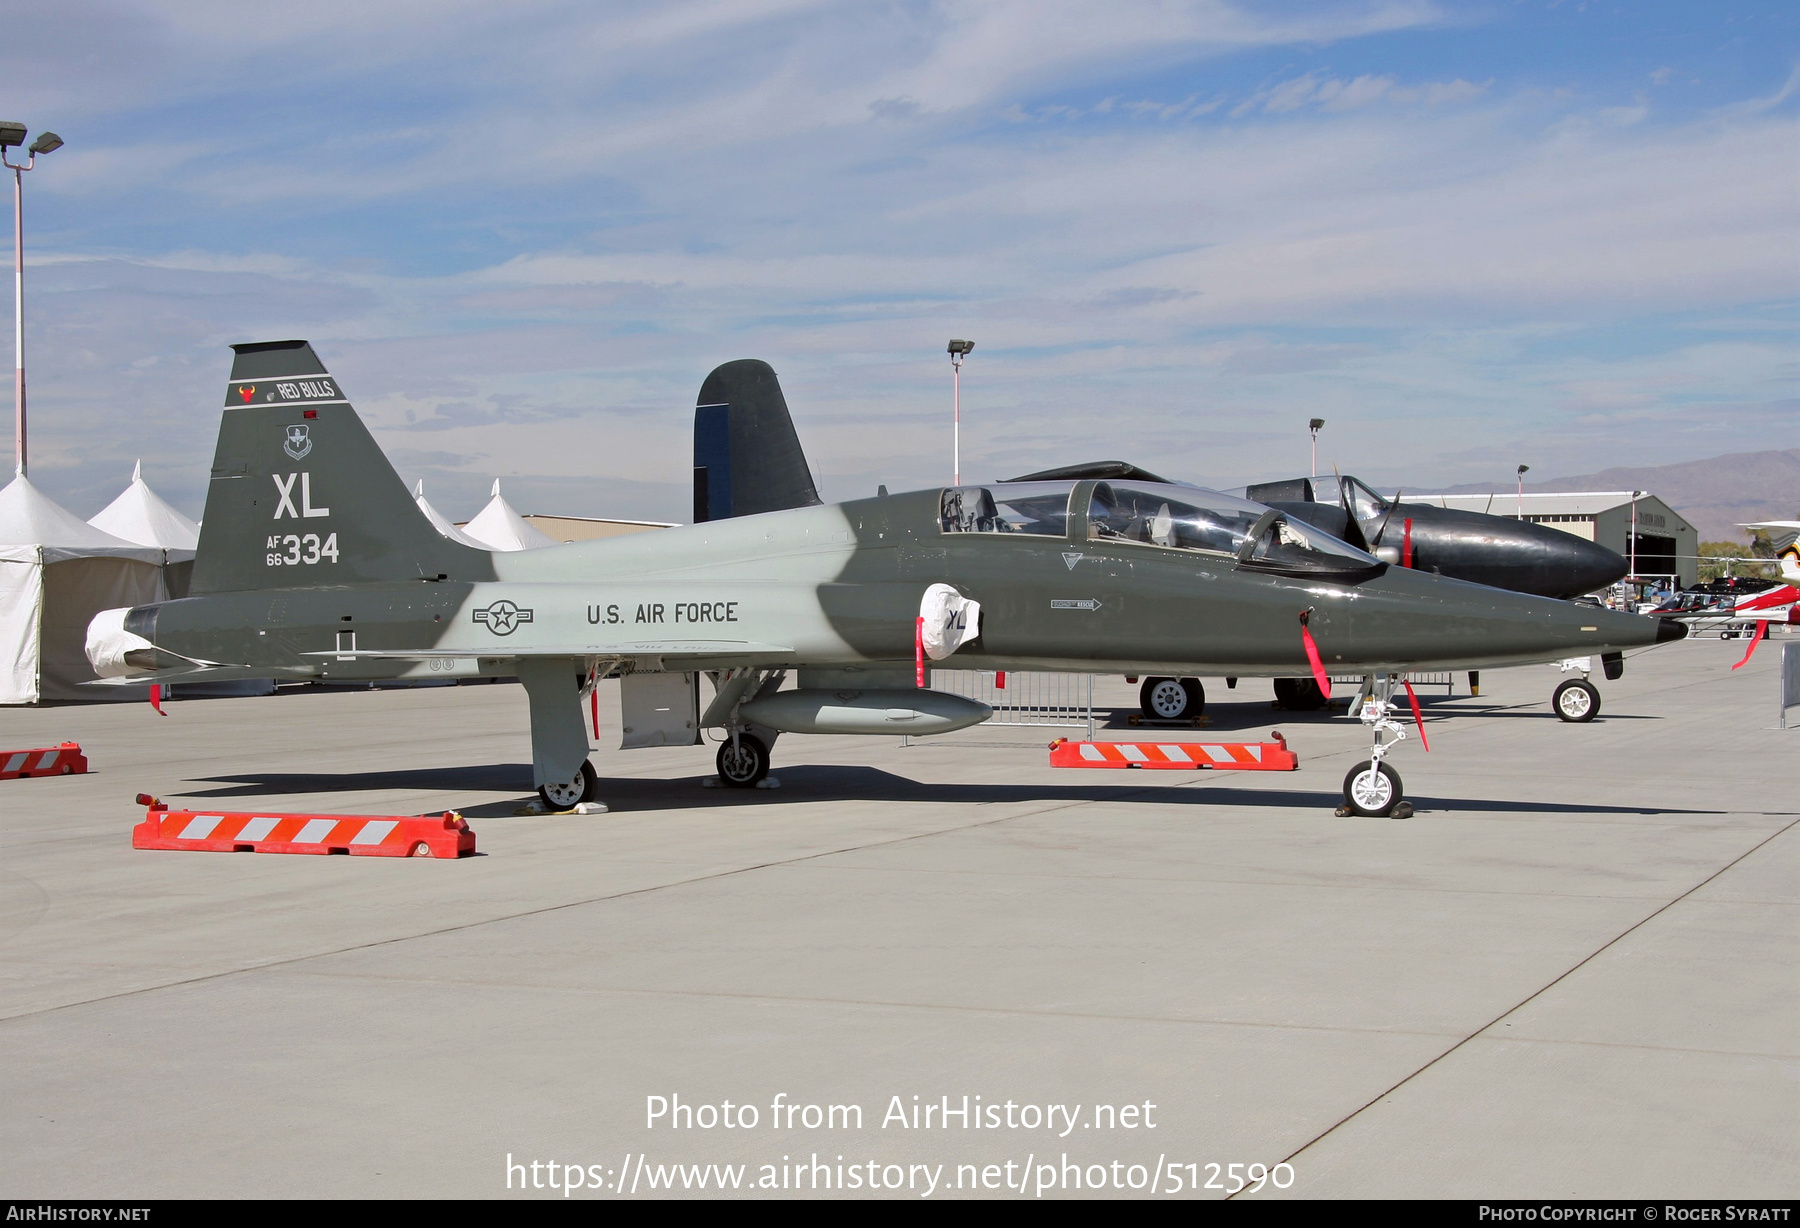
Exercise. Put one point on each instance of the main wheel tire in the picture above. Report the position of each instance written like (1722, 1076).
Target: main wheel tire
(1576, 700)
(743, 761)
(1299, 694)
(1371, 793)
(567, 797)
(1171, 699)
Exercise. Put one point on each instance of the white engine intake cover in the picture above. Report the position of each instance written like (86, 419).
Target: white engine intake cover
(951, 620)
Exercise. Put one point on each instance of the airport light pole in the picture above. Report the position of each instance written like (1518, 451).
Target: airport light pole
(1635, 496)
(1314, 426)
(1523, 469)
(959, 350)
(12, 135)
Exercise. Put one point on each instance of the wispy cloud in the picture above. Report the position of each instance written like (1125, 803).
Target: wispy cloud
(523, 235)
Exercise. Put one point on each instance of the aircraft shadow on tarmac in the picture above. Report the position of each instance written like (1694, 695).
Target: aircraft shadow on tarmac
(811, 783)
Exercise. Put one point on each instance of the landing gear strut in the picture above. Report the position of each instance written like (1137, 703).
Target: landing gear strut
(1372, 788)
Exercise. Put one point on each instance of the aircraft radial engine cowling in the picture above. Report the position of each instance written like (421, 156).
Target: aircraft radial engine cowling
(884, 711)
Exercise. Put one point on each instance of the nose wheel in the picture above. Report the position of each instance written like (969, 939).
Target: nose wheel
(1576, 700)
(1373, 790)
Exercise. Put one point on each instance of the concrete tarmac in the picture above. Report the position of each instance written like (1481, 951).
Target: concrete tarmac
(1572, 974)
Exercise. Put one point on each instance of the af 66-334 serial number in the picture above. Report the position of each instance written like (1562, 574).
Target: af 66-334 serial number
(300, 550)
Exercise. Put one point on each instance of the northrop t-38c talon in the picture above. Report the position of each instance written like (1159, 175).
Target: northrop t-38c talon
(314, 562)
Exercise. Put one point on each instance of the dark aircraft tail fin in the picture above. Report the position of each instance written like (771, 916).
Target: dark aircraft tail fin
(301, 494)
(1294, 490)
(747, 458)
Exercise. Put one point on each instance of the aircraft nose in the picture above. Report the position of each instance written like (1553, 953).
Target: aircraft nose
(1669, 629)
(1589, 566)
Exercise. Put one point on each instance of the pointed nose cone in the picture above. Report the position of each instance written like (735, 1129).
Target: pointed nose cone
(1418, 620)
(1503, 552)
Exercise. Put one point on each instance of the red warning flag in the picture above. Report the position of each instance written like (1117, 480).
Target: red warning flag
(1312, 655)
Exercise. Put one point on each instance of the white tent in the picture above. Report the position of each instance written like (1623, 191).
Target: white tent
(498, 527)
(442, 525)
(142, 516)
(56, 573)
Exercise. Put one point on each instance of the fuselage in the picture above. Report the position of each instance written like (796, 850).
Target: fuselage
(839, 586)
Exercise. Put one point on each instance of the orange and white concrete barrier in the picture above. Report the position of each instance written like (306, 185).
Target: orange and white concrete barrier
(1235, 756)
(64, 760)
(359, 835)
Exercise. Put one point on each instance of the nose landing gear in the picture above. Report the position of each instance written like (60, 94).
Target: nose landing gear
(1372, 788)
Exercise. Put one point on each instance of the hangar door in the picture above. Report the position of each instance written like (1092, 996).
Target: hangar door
(1655, 555)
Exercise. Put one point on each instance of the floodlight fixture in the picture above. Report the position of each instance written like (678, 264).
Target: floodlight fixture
(47, 142)
(11, 134)
(960, 349)
(1314, 426)
(1520, 512)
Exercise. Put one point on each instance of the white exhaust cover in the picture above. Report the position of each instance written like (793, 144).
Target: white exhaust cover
(108, 642)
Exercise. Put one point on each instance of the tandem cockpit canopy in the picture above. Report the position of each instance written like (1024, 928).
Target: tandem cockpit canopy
(1154, 514)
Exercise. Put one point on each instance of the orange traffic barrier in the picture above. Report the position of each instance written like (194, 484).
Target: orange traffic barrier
(1237, 756)
(64, 760)
(360, 835)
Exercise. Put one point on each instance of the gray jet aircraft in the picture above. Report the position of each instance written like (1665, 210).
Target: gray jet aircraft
(315, 563)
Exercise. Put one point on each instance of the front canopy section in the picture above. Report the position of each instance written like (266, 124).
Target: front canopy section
(1279, 546)
(1164, 515)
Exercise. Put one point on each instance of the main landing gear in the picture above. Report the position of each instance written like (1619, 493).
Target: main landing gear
(1372, 788)
(743, 761)
(1299, 694)
(1171, 699)
(568, 796)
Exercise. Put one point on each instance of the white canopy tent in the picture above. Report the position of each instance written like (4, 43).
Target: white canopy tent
(56, 573)
(142, 516)
(499, 527)
(442, 525)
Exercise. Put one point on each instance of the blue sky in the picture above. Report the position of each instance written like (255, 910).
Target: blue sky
(1469, 235)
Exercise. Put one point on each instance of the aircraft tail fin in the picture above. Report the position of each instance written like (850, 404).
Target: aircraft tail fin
(301, 494)
(747, 457)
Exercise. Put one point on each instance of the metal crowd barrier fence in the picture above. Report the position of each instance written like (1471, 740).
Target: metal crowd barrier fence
(1060, 701)
(1445, 680)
